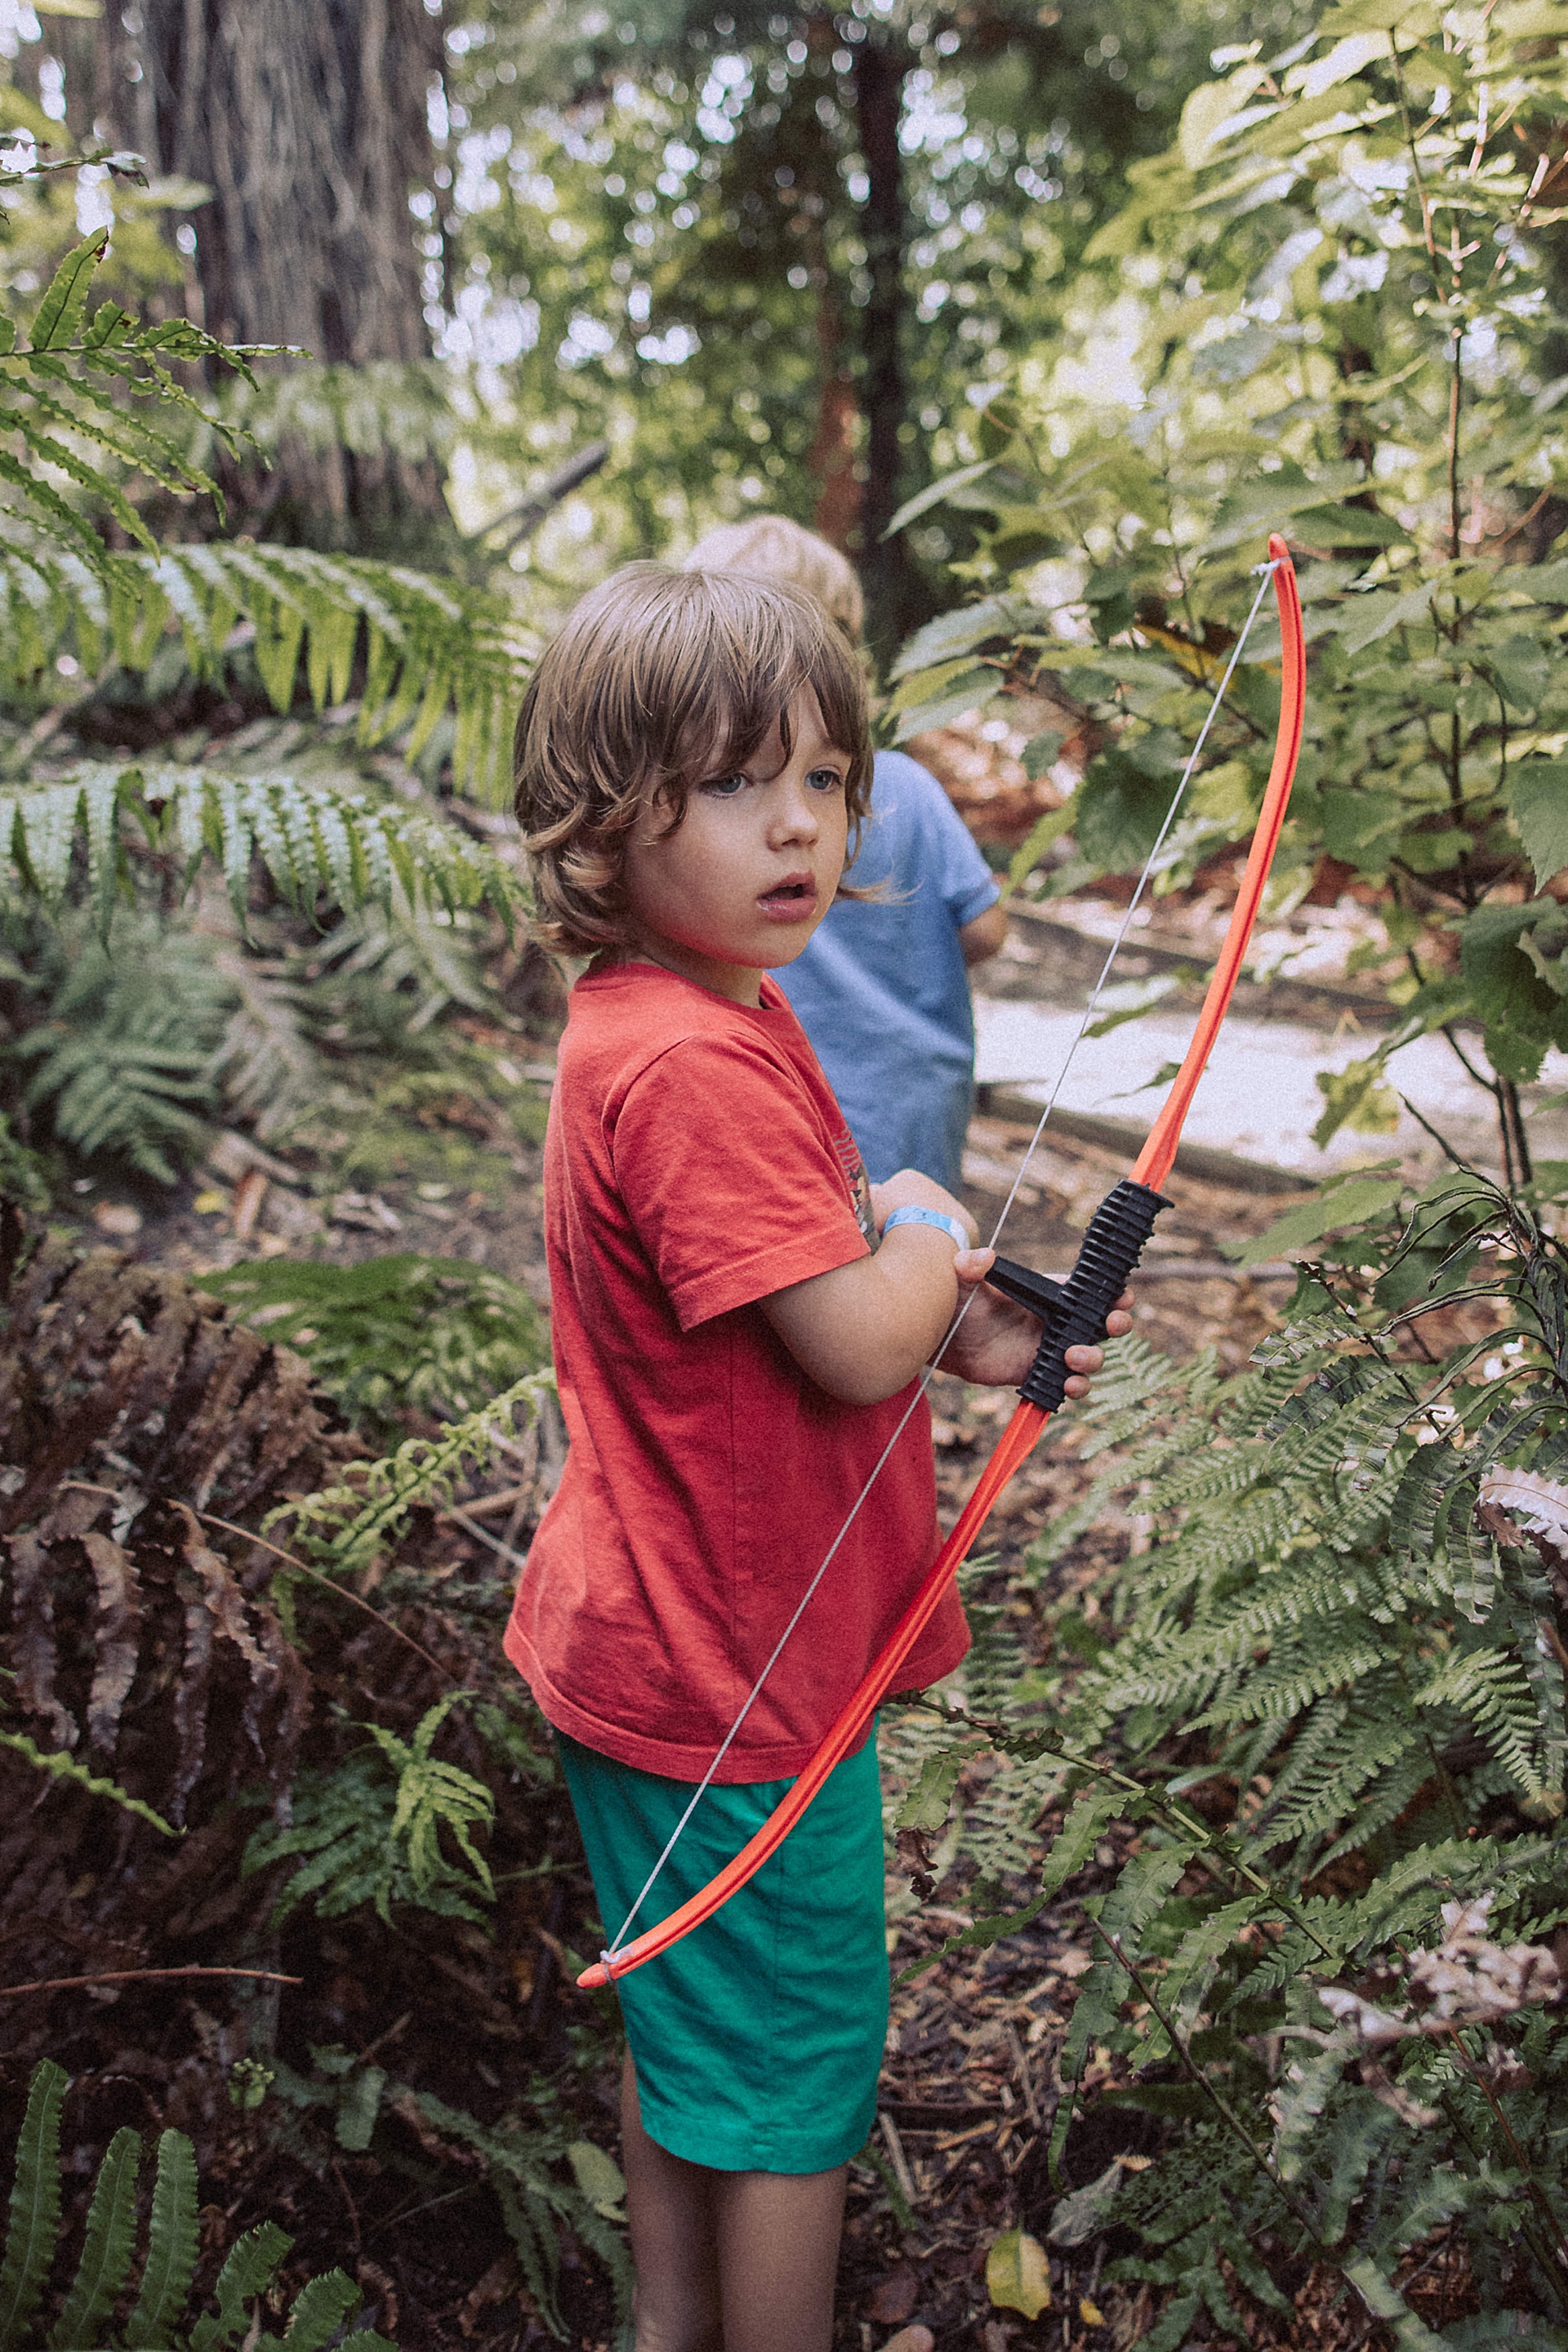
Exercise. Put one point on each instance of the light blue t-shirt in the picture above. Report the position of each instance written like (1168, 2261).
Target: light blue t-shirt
(883, 991)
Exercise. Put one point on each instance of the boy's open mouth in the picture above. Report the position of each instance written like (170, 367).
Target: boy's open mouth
(795, 894)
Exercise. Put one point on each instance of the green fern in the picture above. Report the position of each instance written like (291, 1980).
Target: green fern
(1322, 1626)
(320, 845)
(420, 652)
(437, 1335)
(107, 2248)
(161, 2320)
(123, 1061)
(173, 2241)
(33, 2224)
(65, 389)
(74, 386)
(368, 1834)
(61, 1765)
(348, 1525)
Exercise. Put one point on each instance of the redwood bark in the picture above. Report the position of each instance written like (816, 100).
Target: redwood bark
(306, 119)
(892, 585)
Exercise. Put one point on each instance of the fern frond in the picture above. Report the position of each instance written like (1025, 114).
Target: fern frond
(1335, 1756)
(319, 2310)
(429, 646)
(433, 1796)
(249, 2269)
(33, 2223)
(172, 2245)
(1492, 1688)
(61, 1765)
(320, 845)
(347, 1526)
(439, 1334)
(107, 2248)
(1139, 1892)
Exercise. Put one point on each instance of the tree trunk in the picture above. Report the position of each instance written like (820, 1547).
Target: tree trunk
(307, 121)
(892, 585)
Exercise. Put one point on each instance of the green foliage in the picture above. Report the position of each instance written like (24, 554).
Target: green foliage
(394, 1333)
(660, 227)
(1331, 309)
(411, 651)
(522, 2163)
(1348, 1634)
(61, 1765)
(411, 648)
(318, 844)
(123, 1060)
(345, 1526)
(35, 2215)
(372, 1835)
(162, 2319)
(64, 393)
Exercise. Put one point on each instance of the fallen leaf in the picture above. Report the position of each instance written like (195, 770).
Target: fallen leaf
(117, 1218)
(248, 1195)
(1091, 2313)
(895, 2297)
(1017, 2275)
(598, 2175)
(912, 2340)
(1078, 2217)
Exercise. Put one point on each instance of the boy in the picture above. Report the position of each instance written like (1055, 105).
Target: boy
(882, 990)
(738, 1318)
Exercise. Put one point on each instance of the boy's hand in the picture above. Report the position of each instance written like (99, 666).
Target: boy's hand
(996, 1342)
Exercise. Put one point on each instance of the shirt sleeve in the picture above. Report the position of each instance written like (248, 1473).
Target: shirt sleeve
(729, 1179)
(964, 881)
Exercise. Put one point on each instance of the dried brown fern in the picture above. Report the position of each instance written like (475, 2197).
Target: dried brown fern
(135, 1633)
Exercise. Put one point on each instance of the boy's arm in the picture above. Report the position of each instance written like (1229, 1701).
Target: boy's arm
(983, 937)
(864, 1330)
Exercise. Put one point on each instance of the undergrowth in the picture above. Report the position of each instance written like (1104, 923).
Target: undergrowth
(392, 1334)
(160, 2314)
(1326, 1705)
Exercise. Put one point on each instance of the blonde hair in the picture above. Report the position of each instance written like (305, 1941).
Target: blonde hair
(658, 679)
(771, 547)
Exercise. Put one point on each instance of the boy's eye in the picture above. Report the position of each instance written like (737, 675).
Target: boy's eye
(725, 788)
(825, 780)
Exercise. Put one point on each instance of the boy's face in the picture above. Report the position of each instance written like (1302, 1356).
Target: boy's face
(746, 876)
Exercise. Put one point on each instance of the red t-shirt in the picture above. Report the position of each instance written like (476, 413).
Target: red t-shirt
(696, 1162)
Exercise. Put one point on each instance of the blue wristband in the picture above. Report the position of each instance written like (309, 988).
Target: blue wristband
(930, 1217)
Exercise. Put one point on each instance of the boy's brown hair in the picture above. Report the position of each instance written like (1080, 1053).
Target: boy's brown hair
(657, 680)
(771, 547)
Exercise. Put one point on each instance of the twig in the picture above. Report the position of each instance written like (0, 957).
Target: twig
(1234, 2124)
(901, 2162)
(502, 1499)
(1442, 1145)
(1222, 2105)
(138, 1976)
(1021, 2061)
(472, 1528)
(292, 1561)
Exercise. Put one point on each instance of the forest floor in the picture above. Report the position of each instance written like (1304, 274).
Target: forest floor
(490, 2023)
(486, 2022)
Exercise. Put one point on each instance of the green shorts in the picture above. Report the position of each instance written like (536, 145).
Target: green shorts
(758, 2041)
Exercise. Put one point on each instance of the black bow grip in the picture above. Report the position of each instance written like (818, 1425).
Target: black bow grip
(1072, 1313)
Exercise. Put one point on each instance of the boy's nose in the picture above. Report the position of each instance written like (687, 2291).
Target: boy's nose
(796, 819)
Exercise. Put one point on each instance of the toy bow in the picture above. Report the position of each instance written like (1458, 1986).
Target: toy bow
(1071, 1314)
